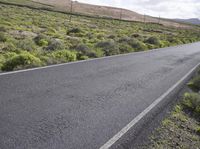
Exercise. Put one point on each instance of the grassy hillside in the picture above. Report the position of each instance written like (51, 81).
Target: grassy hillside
(31, 38)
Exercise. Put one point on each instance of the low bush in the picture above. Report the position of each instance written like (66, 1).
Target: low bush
(8, 55)
(74, 30)
(3, 38)
(174, 40)
(137, 45)
(194, 84)
(63, 56)
(9, 47)
(125, 48)
(82, 57)
(2, 59)
(135, 35)
(191, 101)
(153, 40)
(41, 40)
(112, 36)
(22, 60)
(26, 44)
(100, 36)
(2, 29)
(95, 53)
(125, 39)
(55, 45)
(82, 48)
(109, 47)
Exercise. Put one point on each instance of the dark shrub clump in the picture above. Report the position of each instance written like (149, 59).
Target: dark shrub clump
(153, 40)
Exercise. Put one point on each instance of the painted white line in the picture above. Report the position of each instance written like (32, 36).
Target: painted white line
(69, 63)
(123, 131)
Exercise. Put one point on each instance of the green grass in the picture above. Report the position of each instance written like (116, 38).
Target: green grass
(43, 33)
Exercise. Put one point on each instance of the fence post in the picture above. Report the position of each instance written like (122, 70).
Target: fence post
(71, 10)
(159, 19)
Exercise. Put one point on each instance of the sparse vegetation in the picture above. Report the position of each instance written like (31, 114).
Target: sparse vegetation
(63, 56)
(195, 83)
(51, 38)
(22, 60)
(153, 40)
(181, 129)
(2, 37)
(191, 102)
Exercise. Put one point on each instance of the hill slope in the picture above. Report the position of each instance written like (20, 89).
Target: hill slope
(65, 5)
(195, 21)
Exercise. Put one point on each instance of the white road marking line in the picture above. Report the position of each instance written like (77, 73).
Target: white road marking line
(124, 130)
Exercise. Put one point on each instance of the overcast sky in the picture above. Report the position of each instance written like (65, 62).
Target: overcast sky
(164, 8)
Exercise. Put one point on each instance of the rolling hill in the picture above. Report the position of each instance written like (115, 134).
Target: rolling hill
(195, 21)
(105, 11)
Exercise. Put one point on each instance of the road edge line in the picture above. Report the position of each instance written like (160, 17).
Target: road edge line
(130, 125)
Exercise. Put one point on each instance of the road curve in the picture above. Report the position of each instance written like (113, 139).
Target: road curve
(83, 105)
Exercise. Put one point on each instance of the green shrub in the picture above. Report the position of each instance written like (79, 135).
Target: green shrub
(109, 47)
(82, 57)
(23, 60)
(41, 40)
(8, 55)
(137, 45)
(2, 59)
(153, 40)
(2, 29)
(112, 36)
(43, 43)
(63, 56)
(26, 44)
(74, 30)
(125, 48)
(51, 30)
(55, 45)
(150, 46)
(3, 38)
(191, 101)
(9, 47)
(135, 35)
(95, 53)
(82, 48)
(194, 84)
(174, 40)
(100, 36)
(125, 39)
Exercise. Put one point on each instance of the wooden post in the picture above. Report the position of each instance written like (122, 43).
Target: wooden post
(159, 19)
(71, 10)
(144, 18)
(120, 14)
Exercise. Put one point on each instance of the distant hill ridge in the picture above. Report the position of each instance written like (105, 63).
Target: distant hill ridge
(118, 13)
(195, 21)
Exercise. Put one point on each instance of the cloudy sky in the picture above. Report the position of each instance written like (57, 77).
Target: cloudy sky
(164, 8)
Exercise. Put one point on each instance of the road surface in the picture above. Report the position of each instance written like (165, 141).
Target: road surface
(83, 105)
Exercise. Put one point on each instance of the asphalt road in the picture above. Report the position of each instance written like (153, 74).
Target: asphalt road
(83, 105)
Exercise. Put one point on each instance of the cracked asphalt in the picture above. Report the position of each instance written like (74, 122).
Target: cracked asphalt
(83, 105)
